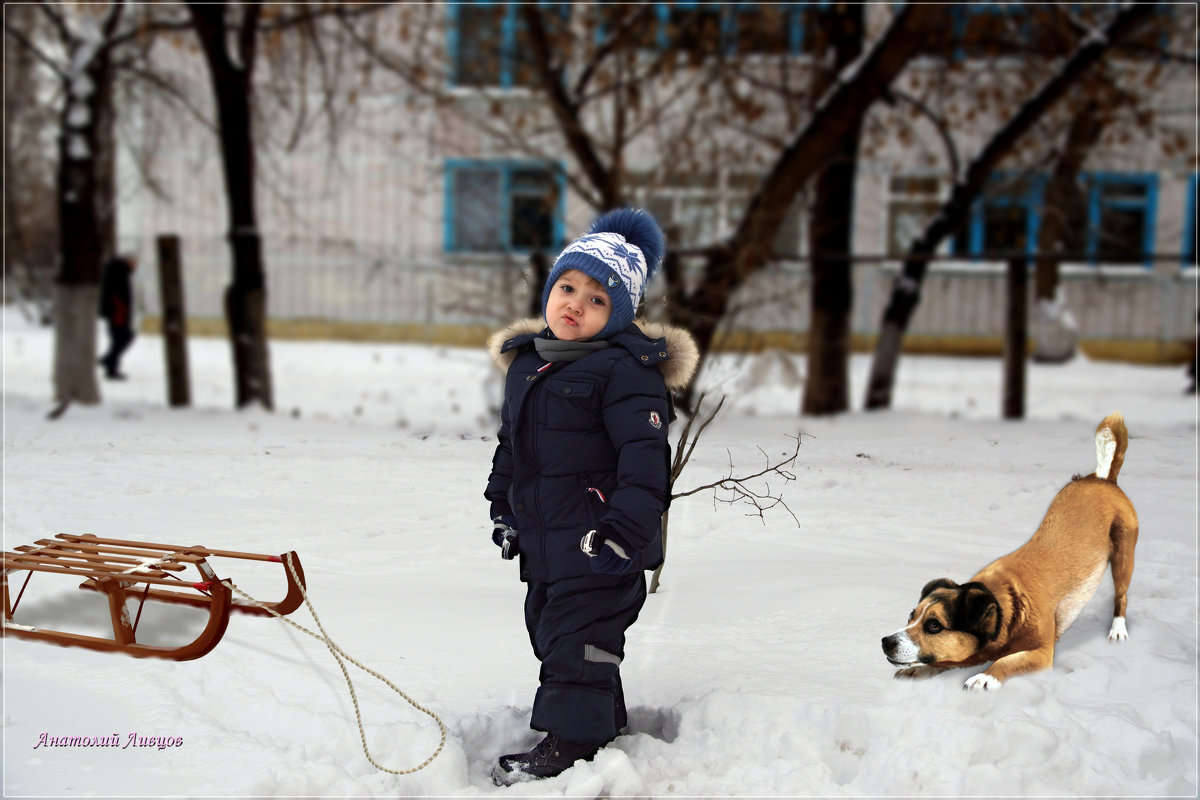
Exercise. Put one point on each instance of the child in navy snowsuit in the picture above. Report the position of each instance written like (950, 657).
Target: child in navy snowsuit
(581, 477)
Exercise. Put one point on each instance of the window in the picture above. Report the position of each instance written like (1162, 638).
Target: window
(987, 30)
(698, 210)
(1110, 221)
(707, 29)
(503, 206)
(1004, 220)
(489, 44)
(912, 202)
(1120, 218)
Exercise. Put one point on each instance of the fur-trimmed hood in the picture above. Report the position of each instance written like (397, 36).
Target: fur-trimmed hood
(677, 369)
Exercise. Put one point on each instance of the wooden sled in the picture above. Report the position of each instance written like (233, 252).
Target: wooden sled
(143, 571)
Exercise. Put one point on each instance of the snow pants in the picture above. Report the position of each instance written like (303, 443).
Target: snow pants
(119, 339)
(577, 628)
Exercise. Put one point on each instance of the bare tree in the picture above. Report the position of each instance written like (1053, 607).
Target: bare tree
(229, 36)
(826, 143)
(905, 293)
(818, 143)
(84, 39)
(231, 72)
(602, 94)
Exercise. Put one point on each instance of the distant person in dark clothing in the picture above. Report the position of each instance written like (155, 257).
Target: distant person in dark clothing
(116, 306)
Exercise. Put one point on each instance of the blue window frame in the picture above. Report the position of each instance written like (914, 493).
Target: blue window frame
(1006, 219)
(489, 46)
(1190, 222)
(1121, 213)
(730, 28)
(991, 29)
(1111, 221)
(504, 206)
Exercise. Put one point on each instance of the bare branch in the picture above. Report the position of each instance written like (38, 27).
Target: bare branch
(939, 124)
(739, 487)
(741, 491)
(683, 451)
(173, 93)
(34, 50)
(51, 13)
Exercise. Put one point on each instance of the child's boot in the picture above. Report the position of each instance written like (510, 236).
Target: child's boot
(550, 757)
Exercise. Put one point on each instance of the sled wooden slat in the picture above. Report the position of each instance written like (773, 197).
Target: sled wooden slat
(93, 562)
(197, 550)
(91, 547)
(127, 570)
(66, 568)
(31, 551)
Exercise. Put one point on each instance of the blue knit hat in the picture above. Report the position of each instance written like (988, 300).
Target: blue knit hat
(621, 250)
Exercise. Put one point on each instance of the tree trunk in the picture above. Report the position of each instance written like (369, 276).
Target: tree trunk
(1055, 335)
(906, 291)
(106, 171)
(246, 297)
(81, 242)
(827, 386)
(75, 343)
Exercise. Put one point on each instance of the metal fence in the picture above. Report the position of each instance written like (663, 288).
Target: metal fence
(1131, 312)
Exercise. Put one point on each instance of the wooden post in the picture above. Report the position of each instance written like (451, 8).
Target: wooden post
(1016, 335)
(174, 321)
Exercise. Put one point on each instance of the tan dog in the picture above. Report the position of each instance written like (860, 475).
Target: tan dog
(1013, 611)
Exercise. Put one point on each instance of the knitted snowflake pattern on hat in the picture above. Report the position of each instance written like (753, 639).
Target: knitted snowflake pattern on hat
(621, 249)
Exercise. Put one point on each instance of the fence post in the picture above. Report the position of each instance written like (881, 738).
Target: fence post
(174, 321)
(1016, 334)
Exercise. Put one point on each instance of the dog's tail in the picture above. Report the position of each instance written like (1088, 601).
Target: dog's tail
(1111, 439)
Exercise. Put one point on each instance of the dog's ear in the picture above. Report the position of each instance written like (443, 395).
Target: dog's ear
(978, 612)
(934, 585)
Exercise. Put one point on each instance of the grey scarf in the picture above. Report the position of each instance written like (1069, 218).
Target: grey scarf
(562, 350)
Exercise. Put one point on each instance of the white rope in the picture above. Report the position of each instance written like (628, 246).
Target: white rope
(338, 654)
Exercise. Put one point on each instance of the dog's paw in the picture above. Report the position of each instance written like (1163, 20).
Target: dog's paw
(917, 672)
(1118, 633)
(981, 683)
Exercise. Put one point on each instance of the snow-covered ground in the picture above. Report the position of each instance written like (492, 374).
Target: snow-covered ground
(755, 670)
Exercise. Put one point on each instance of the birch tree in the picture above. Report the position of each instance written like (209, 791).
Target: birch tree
(30, 209)
(79, 54)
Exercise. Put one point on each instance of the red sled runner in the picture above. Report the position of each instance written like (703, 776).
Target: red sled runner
(142, 571)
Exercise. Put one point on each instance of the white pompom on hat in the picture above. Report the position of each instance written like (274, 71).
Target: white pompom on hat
(621, 250)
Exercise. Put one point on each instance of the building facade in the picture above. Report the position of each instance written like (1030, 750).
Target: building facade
(417, 217)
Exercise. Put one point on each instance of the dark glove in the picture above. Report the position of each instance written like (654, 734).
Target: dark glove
(608, 556)
(505, 536)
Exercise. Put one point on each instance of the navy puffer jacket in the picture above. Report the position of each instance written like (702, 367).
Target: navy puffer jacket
(583, 444)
